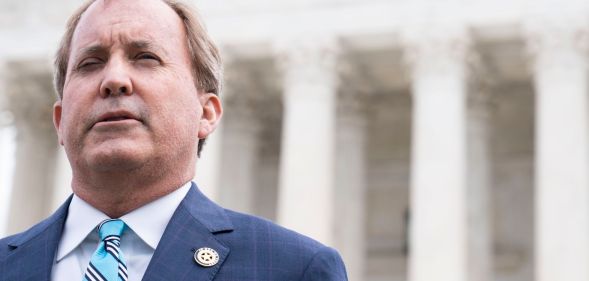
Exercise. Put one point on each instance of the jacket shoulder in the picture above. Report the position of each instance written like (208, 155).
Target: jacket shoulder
(4, 245)
(264, 231)
(13, 241)
(57, 219)
(276, 251)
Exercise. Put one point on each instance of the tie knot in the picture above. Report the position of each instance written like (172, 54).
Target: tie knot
(111, 228)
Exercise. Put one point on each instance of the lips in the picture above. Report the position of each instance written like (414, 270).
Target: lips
(116, 116)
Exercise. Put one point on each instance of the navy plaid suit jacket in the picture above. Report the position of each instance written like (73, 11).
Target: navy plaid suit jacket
(249, 248)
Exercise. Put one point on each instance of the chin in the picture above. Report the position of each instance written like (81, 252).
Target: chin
(117, 160)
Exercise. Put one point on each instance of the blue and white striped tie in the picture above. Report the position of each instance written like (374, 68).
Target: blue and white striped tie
(107, 263)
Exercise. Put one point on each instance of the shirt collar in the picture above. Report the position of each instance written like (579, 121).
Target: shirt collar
(148, 222)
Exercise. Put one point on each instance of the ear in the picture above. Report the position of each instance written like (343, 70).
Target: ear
(212, 110)
(57, 120)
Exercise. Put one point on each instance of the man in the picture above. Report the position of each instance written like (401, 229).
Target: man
(138, 83)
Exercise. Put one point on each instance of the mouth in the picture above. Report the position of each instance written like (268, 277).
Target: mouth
(116, 117)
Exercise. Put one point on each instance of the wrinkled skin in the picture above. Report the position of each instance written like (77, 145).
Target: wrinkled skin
(131, 115)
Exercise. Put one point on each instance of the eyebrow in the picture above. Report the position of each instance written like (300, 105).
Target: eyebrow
(94, 49)
(141, 44)
(133, 45)
(145, 45)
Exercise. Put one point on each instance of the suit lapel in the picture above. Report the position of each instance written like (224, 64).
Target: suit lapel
(193, 226)
(33, 252)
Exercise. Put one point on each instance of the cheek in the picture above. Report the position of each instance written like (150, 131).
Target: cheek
(74, 108)
(184, 114)
(67, 127)
(73, 116)
(171, 100)
(65, 116)
(182, 118)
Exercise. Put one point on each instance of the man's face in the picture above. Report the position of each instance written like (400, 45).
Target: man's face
(129, 97)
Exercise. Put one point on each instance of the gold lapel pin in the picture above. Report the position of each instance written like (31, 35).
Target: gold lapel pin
(206, 257)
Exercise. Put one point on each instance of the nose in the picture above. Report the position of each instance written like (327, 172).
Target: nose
(117, 80)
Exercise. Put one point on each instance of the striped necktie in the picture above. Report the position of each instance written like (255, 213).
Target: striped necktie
(107, 263)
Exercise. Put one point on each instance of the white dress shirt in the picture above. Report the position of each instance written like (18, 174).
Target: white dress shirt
(80, 239)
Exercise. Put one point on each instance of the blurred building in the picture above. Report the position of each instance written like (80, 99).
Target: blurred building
(426, 140)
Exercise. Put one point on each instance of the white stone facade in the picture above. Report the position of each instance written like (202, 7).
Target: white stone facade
(425, 140)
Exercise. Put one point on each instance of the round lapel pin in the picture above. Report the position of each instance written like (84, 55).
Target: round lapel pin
(206, 257)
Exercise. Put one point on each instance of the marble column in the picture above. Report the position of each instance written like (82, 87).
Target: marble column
(439, 229)
(351, 182)
(479, 198)
(306, 195)
(562, 150)
(240, 153)
(7, 147)
(31, 98)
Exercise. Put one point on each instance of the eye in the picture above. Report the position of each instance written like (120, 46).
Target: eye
(88, 62)
(146, 56)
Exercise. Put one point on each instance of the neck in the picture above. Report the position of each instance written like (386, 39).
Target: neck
(118, 193)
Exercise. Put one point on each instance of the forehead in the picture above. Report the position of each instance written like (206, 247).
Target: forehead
(112, 21)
